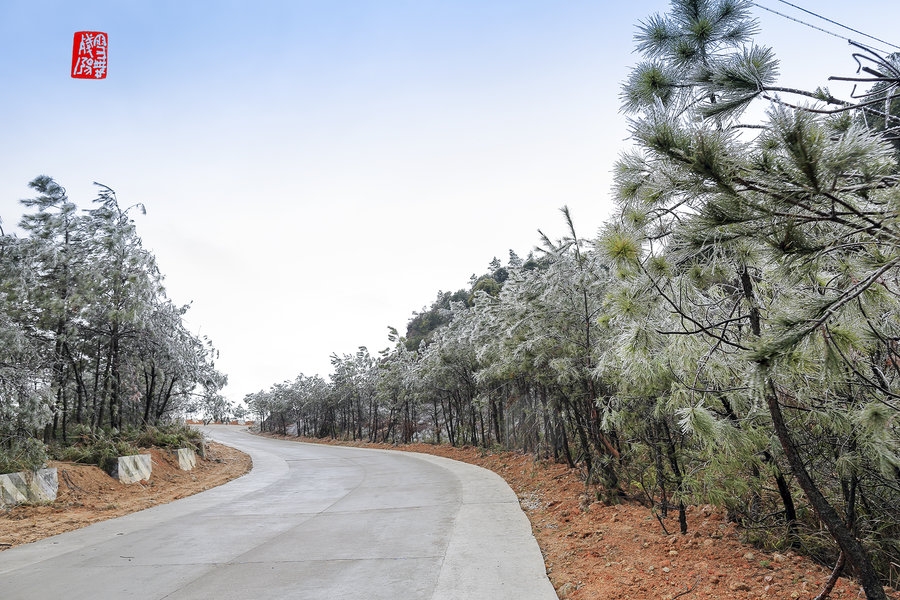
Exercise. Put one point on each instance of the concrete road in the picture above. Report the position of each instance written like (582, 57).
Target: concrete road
(308, 521)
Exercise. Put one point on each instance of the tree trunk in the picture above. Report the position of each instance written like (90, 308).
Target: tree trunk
(583, 440)
(149, 390)
(850, 546)
(679, 478)
(163, 403)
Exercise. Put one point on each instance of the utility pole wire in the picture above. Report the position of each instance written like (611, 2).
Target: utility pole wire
(796, 20)
(809, 12)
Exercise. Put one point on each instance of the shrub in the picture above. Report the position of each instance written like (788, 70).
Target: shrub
(171, 436)
(22, 454)
(99, 447)
(103, 447)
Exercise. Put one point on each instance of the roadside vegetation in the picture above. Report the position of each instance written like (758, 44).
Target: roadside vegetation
(730, 337)
(94, 357)
(102, 447)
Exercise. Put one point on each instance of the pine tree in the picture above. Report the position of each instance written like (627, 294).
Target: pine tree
(780, 252)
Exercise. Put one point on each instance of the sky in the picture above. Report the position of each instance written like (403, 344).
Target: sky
(316, 171)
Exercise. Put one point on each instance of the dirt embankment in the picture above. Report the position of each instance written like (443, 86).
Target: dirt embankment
(87, 494)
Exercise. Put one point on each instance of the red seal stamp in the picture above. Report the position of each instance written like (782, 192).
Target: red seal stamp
(90, 55)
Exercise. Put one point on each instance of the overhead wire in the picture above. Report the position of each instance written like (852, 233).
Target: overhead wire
(809, 12)
(869, 54)
(823, 30)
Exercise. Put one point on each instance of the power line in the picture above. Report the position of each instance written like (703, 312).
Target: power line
(809, 12)
(796, 20)
(840, 37)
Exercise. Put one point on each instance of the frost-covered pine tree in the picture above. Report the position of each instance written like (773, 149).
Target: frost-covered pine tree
(777, 252)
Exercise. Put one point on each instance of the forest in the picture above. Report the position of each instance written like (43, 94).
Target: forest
(730, 336)
(89, 342)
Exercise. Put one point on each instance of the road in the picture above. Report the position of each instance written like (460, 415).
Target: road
(309, 521)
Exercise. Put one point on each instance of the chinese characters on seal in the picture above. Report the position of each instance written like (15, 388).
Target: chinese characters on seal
(90, 54)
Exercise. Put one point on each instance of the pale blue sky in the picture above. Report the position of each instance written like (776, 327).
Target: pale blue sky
(314, 172)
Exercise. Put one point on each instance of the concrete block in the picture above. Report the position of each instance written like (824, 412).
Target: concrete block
(28, 486)
(44, 485)
(134, 468)
(13, 489)
(187, 459)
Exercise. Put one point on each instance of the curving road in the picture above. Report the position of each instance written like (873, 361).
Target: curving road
(308, 521)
